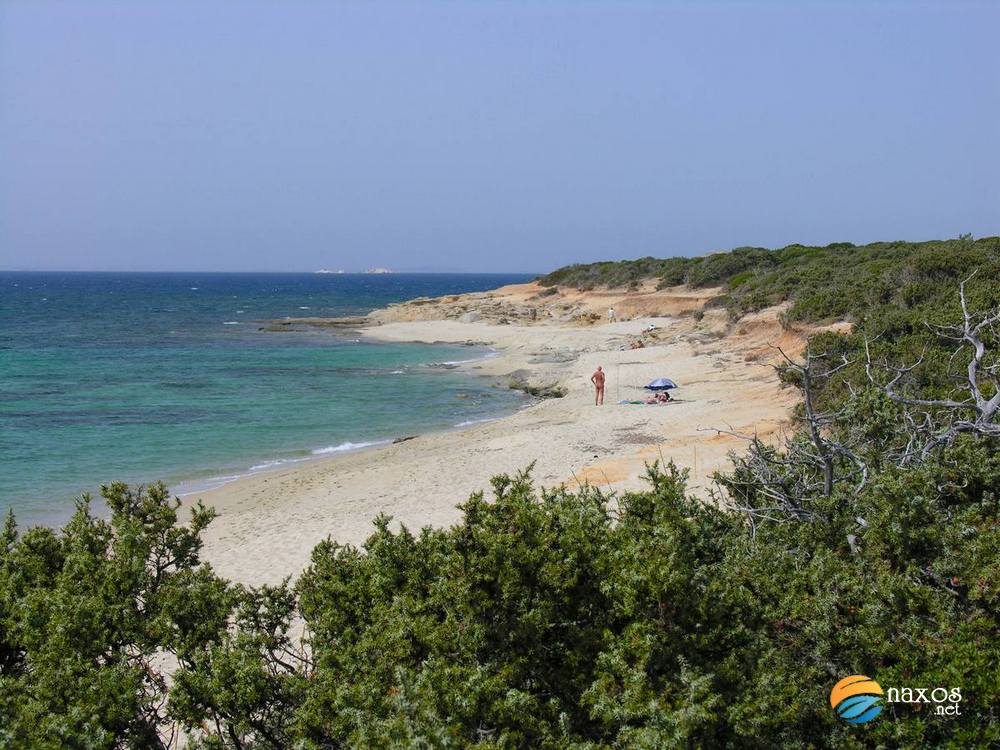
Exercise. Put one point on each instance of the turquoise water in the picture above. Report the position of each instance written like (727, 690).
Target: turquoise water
(141, 377)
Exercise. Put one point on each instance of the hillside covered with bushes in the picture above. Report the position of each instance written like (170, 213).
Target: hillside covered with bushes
(867, 543)
(838, 281)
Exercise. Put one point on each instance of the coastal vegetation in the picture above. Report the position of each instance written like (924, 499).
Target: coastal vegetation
(867, 543)
(838, 281)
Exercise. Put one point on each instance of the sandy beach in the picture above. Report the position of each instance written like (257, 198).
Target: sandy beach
(268, 523)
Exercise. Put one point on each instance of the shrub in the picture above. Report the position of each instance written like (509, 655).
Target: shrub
(86, 615)
(839, 281)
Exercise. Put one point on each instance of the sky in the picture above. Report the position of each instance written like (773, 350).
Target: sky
(486, 136)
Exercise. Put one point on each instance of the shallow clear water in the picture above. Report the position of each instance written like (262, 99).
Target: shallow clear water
(167, 376)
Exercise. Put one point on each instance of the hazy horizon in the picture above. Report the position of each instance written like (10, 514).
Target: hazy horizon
(487, 137)
(337, 271)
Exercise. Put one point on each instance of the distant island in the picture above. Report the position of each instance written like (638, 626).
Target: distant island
(368, 270)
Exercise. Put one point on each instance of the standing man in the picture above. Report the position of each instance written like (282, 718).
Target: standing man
(598, 380)
(612, 316)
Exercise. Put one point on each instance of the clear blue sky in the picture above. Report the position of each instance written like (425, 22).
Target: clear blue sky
(486, 136)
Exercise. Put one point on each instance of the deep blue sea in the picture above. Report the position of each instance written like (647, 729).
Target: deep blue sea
(140, 377)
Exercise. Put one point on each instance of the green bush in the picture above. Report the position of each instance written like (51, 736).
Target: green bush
(542, 619)
(839, 281)
(85, 615)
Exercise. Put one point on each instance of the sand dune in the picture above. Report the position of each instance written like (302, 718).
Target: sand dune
(269, 522)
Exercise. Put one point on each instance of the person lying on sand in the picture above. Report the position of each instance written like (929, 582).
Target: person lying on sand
(598, 380)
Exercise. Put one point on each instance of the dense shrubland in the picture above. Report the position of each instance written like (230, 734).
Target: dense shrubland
(868, 543)
(822, 283)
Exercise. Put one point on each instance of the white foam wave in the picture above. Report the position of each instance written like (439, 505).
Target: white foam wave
(231, 323)
(488, 355)
(275, 462)
(348, 446)
(210, 483)
(469, 422)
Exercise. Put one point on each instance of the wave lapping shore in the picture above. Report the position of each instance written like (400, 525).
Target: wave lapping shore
(198, 378)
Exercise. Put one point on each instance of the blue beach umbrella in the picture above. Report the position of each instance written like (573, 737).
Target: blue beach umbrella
(660, 384)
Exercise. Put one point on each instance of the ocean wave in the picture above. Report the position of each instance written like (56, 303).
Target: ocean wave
(194, 486)
(231, 323)
(469, 422)
(456, 362)
(276, 462)
(348, 446)
(374, 371)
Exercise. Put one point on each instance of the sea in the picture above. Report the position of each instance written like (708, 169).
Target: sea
(169, 376)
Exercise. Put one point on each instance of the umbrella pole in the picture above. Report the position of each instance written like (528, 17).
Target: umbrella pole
(618, 381)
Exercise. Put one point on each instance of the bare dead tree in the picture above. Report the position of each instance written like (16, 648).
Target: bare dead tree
(825, 449)
(767, 486)
(936, 422)
(810, 461)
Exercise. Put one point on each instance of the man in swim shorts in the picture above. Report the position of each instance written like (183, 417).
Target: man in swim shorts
(598, 380)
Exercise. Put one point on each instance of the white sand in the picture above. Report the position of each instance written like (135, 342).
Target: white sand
(270, 522)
